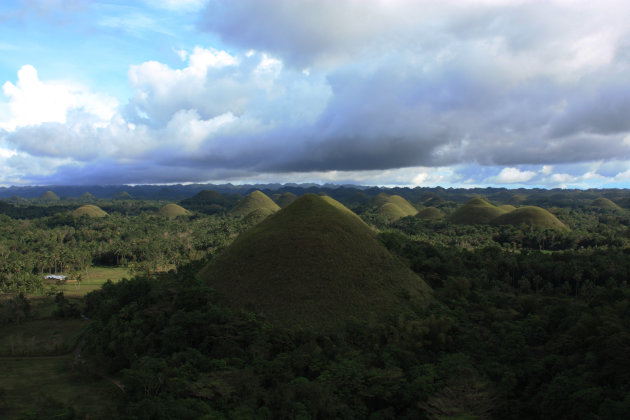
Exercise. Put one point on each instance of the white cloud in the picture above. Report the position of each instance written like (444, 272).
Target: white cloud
(512, 176)
(32, 102)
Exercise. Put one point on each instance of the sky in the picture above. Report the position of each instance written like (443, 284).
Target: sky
(464, 93)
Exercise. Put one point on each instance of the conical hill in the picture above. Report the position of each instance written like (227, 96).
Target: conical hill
(391, 212)
(476, 211)
(172, 210)
(530, 215)
(431, 213)
(605, 203)
(49, 196)
(506, 208)
(285, 199)
(404, 205)
(253, 201)
(89, 210)
(313, 265)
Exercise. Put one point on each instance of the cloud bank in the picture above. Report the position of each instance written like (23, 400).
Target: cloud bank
(524, 89)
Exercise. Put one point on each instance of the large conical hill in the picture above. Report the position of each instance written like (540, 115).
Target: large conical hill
(172, 210)
(313, 265)
(391, 212)
(49, 196)
(404, 205)
(89, 210)
(475, 211)
(530, 215)
(253, 201)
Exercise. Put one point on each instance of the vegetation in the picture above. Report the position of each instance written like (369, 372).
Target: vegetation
(431, 213)
(605, 203)
(316, 311)
(405, 206)
(284, 199)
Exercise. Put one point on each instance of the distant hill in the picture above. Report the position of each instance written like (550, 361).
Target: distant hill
(475, 211)
(86, 196)
(430, 213)
(313, 264)
(506, 208)
(89, 210)
(284, 199)
(391, 212)
(404, 205)
(253, 201)
(172, 210)
(123, 195)
(49, 196)
(530, 215)
(605, 203)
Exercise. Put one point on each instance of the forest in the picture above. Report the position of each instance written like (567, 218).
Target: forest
(520, 307)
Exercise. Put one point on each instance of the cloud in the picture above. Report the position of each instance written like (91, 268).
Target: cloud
(512, 176)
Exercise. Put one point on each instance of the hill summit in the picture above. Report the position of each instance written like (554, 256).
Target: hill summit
(172, 210)
(89, 210)
(530, 215)
(475, 211)
(253, 201)
(314, 265)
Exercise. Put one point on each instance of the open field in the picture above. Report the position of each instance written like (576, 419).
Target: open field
(34, 384)
(96, 277)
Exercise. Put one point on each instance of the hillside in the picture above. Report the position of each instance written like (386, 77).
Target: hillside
(284, 199)
(391, 212)
(475, 211)
(430, 213)
(172, 210)
(49, 196)
(253, 201)
(605, 203)
(530, 215)
(404, 205)
(314, 265)
(90, 211)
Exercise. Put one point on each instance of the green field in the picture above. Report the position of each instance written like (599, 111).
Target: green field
(93, 281)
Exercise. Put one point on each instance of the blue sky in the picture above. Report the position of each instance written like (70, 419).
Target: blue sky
(399, 92)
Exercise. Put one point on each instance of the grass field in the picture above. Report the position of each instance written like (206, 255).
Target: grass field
(96, 277)
(38, 384)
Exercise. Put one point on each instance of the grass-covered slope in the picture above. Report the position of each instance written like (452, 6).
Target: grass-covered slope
(89, 210)
(172, 210)
(285, 199)
(475, 211)
(313, 265)
(404, 205)
(506, 208)
(253, 201)
(530, 215)
(391, 212)
(49, 196)
(430, 213)
(605, 203)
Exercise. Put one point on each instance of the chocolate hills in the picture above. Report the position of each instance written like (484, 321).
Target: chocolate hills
(49, 196)
(313, 265)
(172, 210)
(530, 215)
(284, 199)
(431, 213)
(253, 201)
(605, 203)
(475, 211)
(382, 199)
(89, 210)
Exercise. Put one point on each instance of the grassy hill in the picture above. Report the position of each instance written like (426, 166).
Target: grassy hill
(49, 196)
(404, 205)
(430, 213)
(314, 265)
(284, 199)
(506, 208)
(253, 201)
(391, 212)
(172, 210)
(605, 203)
(530, 215)
(475, 211)
(89, 210)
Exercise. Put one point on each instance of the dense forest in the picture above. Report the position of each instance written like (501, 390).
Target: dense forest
(528, 317)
